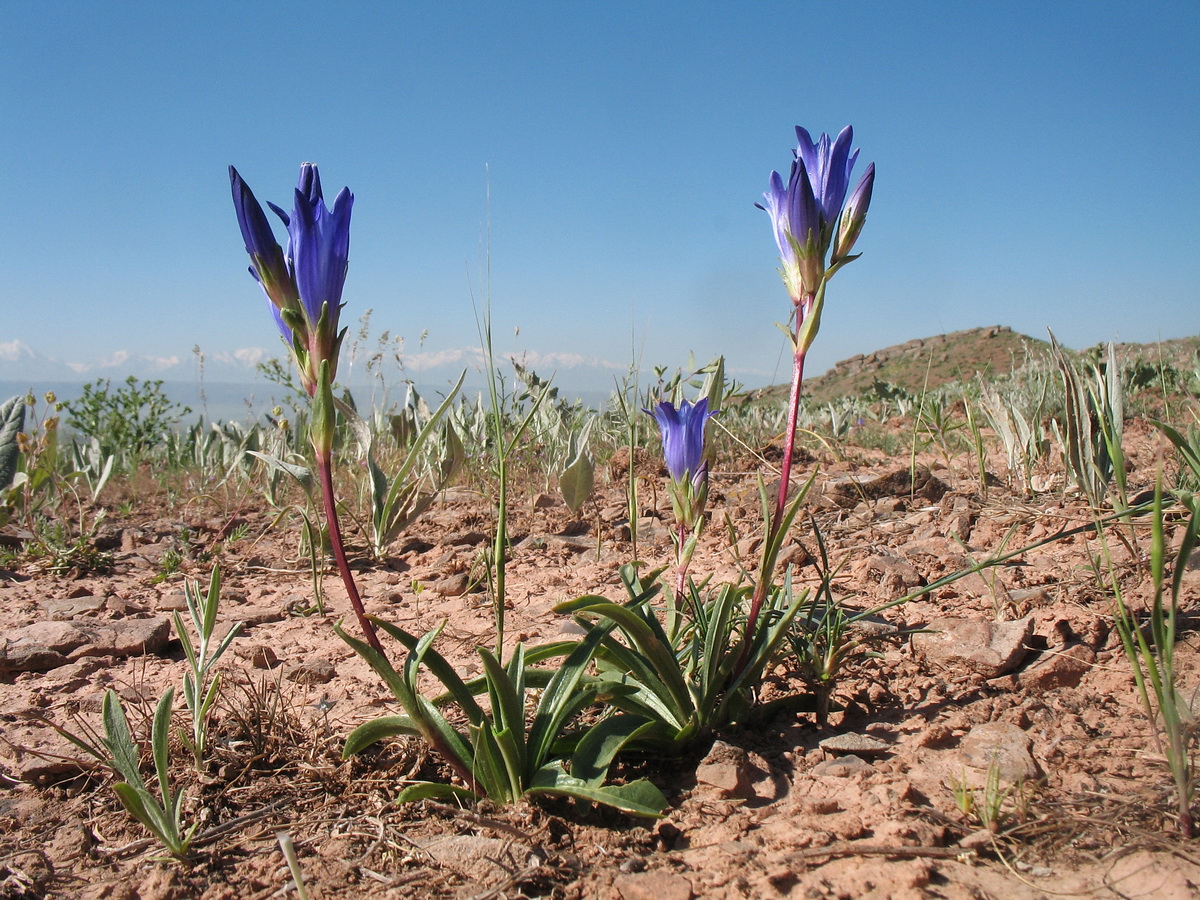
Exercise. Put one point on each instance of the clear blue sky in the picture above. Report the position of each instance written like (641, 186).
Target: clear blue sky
(1037, 166)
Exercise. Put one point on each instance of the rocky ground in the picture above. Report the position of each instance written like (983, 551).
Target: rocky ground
(1018, 673)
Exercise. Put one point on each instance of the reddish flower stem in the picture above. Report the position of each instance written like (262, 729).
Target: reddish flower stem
(785, 477)
(789, 443)
(325, 468)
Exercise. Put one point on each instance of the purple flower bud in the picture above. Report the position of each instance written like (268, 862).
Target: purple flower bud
(854, 215)
(267, 263)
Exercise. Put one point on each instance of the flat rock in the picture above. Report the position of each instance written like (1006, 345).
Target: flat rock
(124, 637)
(47, 645)
(653, 886)
(1002, 745)
(1061, 669)
(39, 647)
(28, 656)
(853, 742)
(311, 671)
(482, 859)
(62, 609)
(982, 645)
(848, 490)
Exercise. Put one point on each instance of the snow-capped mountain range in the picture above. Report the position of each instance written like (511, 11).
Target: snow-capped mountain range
(24, 368)
(19, 361)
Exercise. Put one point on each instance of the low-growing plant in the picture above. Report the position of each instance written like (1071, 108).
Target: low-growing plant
(1020, 429)
(161, 814)
(502, 756)
(60, 546)
(93, 465)
(127, 420)
(1093, 427)
(1150, 649)
(825, 635)
(201, 683)
(396, 503)
(993, 804)
(677, 683)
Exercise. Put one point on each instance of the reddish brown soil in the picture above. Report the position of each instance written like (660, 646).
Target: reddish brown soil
(764, 813)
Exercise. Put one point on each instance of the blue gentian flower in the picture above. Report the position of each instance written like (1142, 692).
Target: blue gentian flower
(683, 448)
(303, 283)
(683, 436)
(318, 248)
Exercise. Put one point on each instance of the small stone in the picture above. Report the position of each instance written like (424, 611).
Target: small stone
(795, 555)
(466, 539)
(311, 671)
(175, 601)
(748, 546)
(822, 806)
(982, 645)
(452, 585)
(1065, 668)
(842, 767)
(978, 840)
(653, 886)
(260, 656)
(851, 742)
(728, 770)
(545, 501)
(894, 576)
(1003, 746)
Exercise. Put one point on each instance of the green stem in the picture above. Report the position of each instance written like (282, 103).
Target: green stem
(500, 546)
(325, 468)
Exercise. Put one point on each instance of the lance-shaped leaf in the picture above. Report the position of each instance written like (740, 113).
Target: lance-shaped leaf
(12, 422)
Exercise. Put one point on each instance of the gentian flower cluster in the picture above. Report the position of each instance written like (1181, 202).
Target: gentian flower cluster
(304, 283)
(816, 227)
(811, 216)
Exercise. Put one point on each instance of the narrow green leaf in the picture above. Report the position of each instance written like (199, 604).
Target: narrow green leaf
(602, 742)
(507, 709)
(432, 790)
(160, 738)
(639, 798)
(441, 669)
(559, 698)
(378, 729)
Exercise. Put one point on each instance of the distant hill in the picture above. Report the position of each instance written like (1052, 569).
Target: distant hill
(934, 361)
